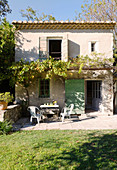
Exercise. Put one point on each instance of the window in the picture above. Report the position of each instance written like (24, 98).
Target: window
(93, 44)
(55, 49)
(44, 88)
(96, 89)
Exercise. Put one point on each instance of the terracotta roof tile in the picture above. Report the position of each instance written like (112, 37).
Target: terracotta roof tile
(64, 24)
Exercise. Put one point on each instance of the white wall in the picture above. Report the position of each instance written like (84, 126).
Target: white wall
(78, 42)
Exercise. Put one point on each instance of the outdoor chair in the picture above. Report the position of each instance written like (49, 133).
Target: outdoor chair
(66, 112)
(33, 112)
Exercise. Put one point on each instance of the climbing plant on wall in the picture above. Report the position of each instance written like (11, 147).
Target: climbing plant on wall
(96, 60)
(24, 73)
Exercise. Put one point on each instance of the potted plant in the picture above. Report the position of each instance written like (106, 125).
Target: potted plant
(5, 98)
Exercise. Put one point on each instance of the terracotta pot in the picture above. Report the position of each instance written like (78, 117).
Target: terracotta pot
(3, 105)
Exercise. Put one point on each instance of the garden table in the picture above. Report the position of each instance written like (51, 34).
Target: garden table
(50, 109)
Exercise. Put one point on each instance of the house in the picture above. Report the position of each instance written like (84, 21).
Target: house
(91, 90)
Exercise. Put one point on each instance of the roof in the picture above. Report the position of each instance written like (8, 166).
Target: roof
(64, 24)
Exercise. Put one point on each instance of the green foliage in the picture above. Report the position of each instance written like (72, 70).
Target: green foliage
(4, 8)
(96, 60)
(5, 127)
(80, 68)
(115, 56)
(24, 73)
(52, 66)
(31, 14)
(7, 45)
(7, 97)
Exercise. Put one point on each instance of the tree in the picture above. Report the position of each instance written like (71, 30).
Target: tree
(4, 8)
(99, 10)
(31, 14)
(7, 45)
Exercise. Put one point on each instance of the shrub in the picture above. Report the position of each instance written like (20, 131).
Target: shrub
(7, 97)
(5, 127)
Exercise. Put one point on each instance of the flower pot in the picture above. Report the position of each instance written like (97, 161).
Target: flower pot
(3, 105)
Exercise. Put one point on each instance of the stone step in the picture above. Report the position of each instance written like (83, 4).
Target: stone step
(1, 114)
(1, 119)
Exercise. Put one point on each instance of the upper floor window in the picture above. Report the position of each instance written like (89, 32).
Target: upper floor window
(55, 49)
(93, 46)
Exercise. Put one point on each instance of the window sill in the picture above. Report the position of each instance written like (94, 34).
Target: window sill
(44, 97)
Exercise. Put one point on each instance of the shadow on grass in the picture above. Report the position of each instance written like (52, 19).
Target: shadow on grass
(99, 152)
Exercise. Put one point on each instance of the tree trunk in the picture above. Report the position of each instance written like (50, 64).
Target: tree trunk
(114, 99)
(27, 96)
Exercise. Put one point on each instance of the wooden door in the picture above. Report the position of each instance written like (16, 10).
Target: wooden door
(74, 93)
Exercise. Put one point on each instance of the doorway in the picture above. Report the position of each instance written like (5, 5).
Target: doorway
(93, 94)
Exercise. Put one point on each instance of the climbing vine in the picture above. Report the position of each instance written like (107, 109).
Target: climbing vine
(24, 73)
(96, 60)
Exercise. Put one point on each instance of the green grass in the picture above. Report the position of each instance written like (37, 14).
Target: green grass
(55, 149)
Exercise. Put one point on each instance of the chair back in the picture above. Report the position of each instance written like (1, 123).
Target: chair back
(32, 110)
(64, 110)
(71, 108)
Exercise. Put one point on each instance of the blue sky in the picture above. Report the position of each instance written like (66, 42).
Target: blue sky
(60, 9)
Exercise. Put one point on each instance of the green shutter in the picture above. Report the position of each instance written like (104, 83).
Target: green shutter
(74, 93)
(43, 54)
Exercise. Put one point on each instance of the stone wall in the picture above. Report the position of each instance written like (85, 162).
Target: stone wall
(57, 92)
(13, 113)
(106, 76)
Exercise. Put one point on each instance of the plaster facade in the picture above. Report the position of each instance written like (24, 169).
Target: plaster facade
(74, 43)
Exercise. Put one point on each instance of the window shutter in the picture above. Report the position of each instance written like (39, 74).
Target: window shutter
(65, 48)
(96, 47)
(74, 94)
(43, 48)
(89, 46)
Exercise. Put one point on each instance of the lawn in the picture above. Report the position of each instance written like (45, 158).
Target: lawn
(56, 149)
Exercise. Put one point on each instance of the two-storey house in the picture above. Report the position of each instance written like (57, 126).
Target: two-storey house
(61, 40)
